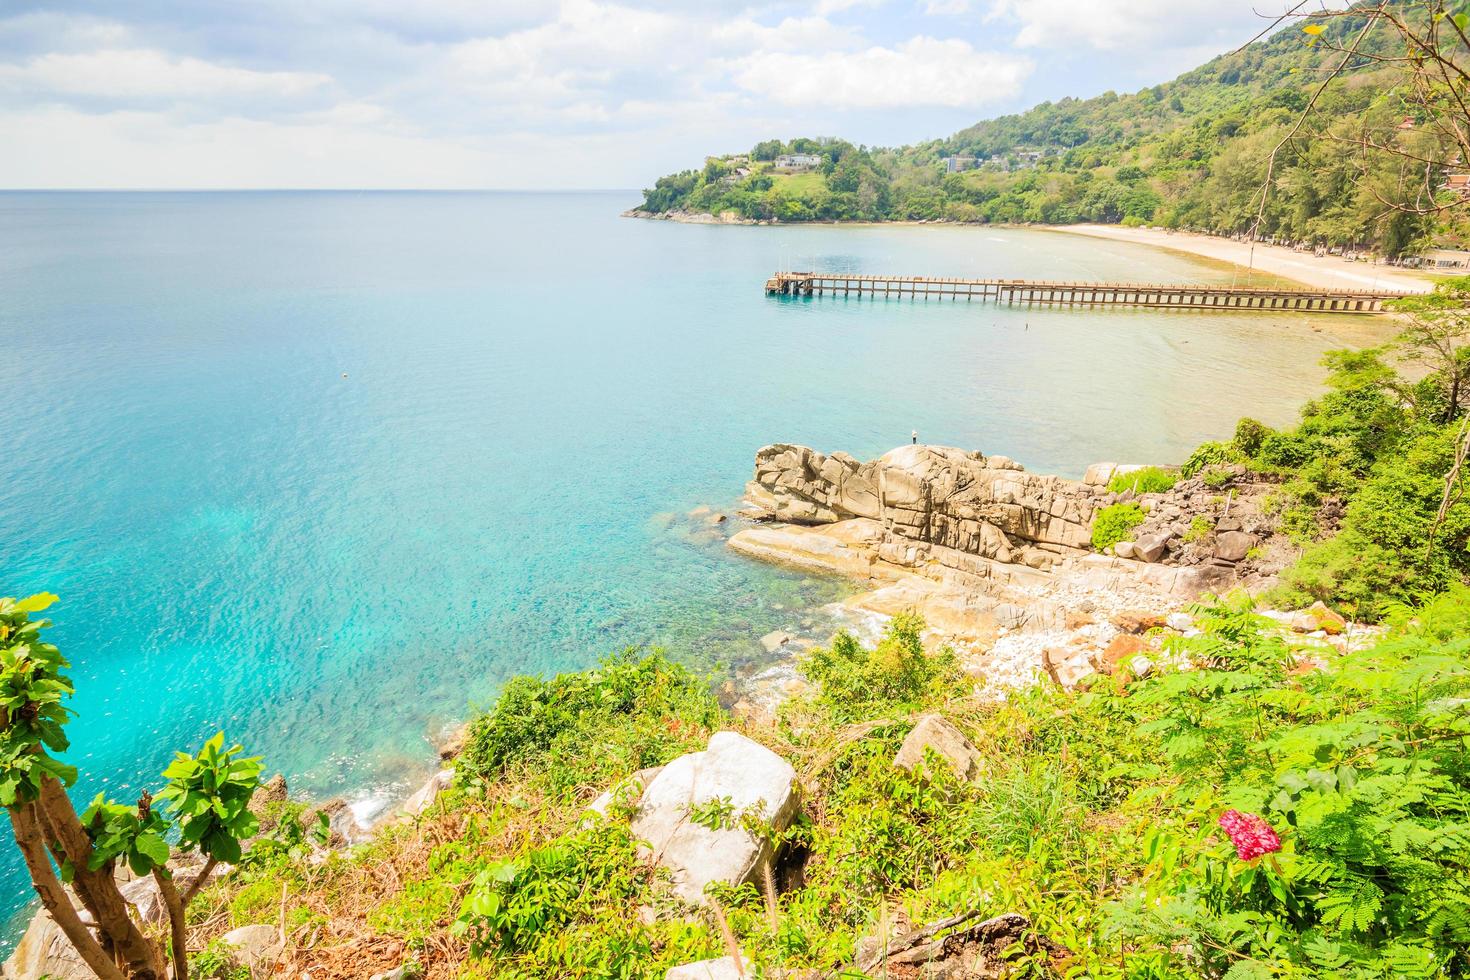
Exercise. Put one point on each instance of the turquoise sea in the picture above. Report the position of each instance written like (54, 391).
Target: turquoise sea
(323, 469)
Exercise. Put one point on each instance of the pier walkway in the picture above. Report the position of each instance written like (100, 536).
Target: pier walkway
(1021, 291)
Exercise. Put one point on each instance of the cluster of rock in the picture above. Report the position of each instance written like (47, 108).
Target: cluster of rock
(697, 217)
(1136, 643)
(986, 506)
(973, 542)
(1194, 523)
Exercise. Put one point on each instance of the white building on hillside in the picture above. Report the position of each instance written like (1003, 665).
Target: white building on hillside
(798, 161)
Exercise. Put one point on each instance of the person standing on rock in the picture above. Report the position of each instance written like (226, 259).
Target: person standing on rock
(915, 436)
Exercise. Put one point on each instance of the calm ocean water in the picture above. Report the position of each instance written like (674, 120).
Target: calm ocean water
(323, 469)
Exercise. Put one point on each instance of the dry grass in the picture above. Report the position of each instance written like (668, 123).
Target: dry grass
(326, 911)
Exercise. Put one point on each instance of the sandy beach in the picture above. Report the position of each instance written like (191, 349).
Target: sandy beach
(1327, 272)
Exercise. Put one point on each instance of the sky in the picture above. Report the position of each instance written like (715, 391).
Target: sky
(532, 94)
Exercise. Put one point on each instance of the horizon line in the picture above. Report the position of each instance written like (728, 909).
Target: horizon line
(319, 190)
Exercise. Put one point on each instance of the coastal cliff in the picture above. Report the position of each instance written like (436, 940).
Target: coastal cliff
(1001, 562)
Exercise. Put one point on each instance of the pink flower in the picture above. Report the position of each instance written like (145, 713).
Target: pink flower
(1251, 835)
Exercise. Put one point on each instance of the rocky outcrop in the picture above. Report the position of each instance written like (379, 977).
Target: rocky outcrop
(747, 781)
(978, 545)
(935, 495)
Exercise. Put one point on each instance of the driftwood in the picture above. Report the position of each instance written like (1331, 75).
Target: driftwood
(920, 946)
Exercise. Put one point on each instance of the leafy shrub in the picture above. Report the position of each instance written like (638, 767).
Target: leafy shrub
(896, 674)
(1208, 454)
(1384, 552)
(1249, 434)
(217, 962)
(1359, 769)
(1149, 479)
(1115, 523)
(638, 711)
(515, 904)
(1199, 529)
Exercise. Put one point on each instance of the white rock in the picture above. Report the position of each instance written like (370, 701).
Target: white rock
(255, 947)
(429, 792)
(398, 973)
(634, 786)
(1140, 666)
(721, 969)
(1180, 621)
(143, 895)
(775, 640)
(747, 774)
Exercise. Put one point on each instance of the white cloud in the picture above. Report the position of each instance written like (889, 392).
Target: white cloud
(1109, 25)
(825, 7)
(923, 71)
(746, 34)
(585, 38)
(145, 74)
(947, 8)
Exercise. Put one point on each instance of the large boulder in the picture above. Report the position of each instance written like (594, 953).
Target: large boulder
(1233, 545)
(43, 951)
(1316, 617)
(1150, 547)
(934, 494)
(935, 733)
(756, 783)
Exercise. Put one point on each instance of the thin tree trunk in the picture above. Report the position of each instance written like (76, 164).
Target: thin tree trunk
(144, 960)
(200, 880)
(48, 832)
(28, 837)
(178, 929)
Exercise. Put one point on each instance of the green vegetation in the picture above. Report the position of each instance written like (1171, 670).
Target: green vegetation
(537, 719)
(1116, 523)
(1199, 529)
(1189, 154)
(1149, 479)
(897, 672)
(1249, 817)
(1372, 481)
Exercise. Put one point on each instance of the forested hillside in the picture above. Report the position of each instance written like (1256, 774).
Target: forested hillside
(1191, 153)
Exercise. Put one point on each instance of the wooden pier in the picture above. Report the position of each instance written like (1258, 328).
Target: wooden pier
(1021, 291)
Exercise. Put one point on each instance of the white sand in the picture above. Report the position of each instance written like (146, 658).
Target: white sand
(1324, 272)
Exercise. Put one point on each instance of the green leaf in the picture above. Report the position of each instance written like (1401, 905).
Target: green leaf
(153, 847)
(35, 603)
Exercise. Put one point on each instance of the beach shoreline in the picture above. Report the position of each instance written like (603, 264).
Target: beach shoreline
(1322, 272)
(1273, 261)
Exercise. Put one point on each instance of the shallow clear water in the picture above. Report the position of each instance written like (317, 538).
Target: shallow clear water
(324, 469)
